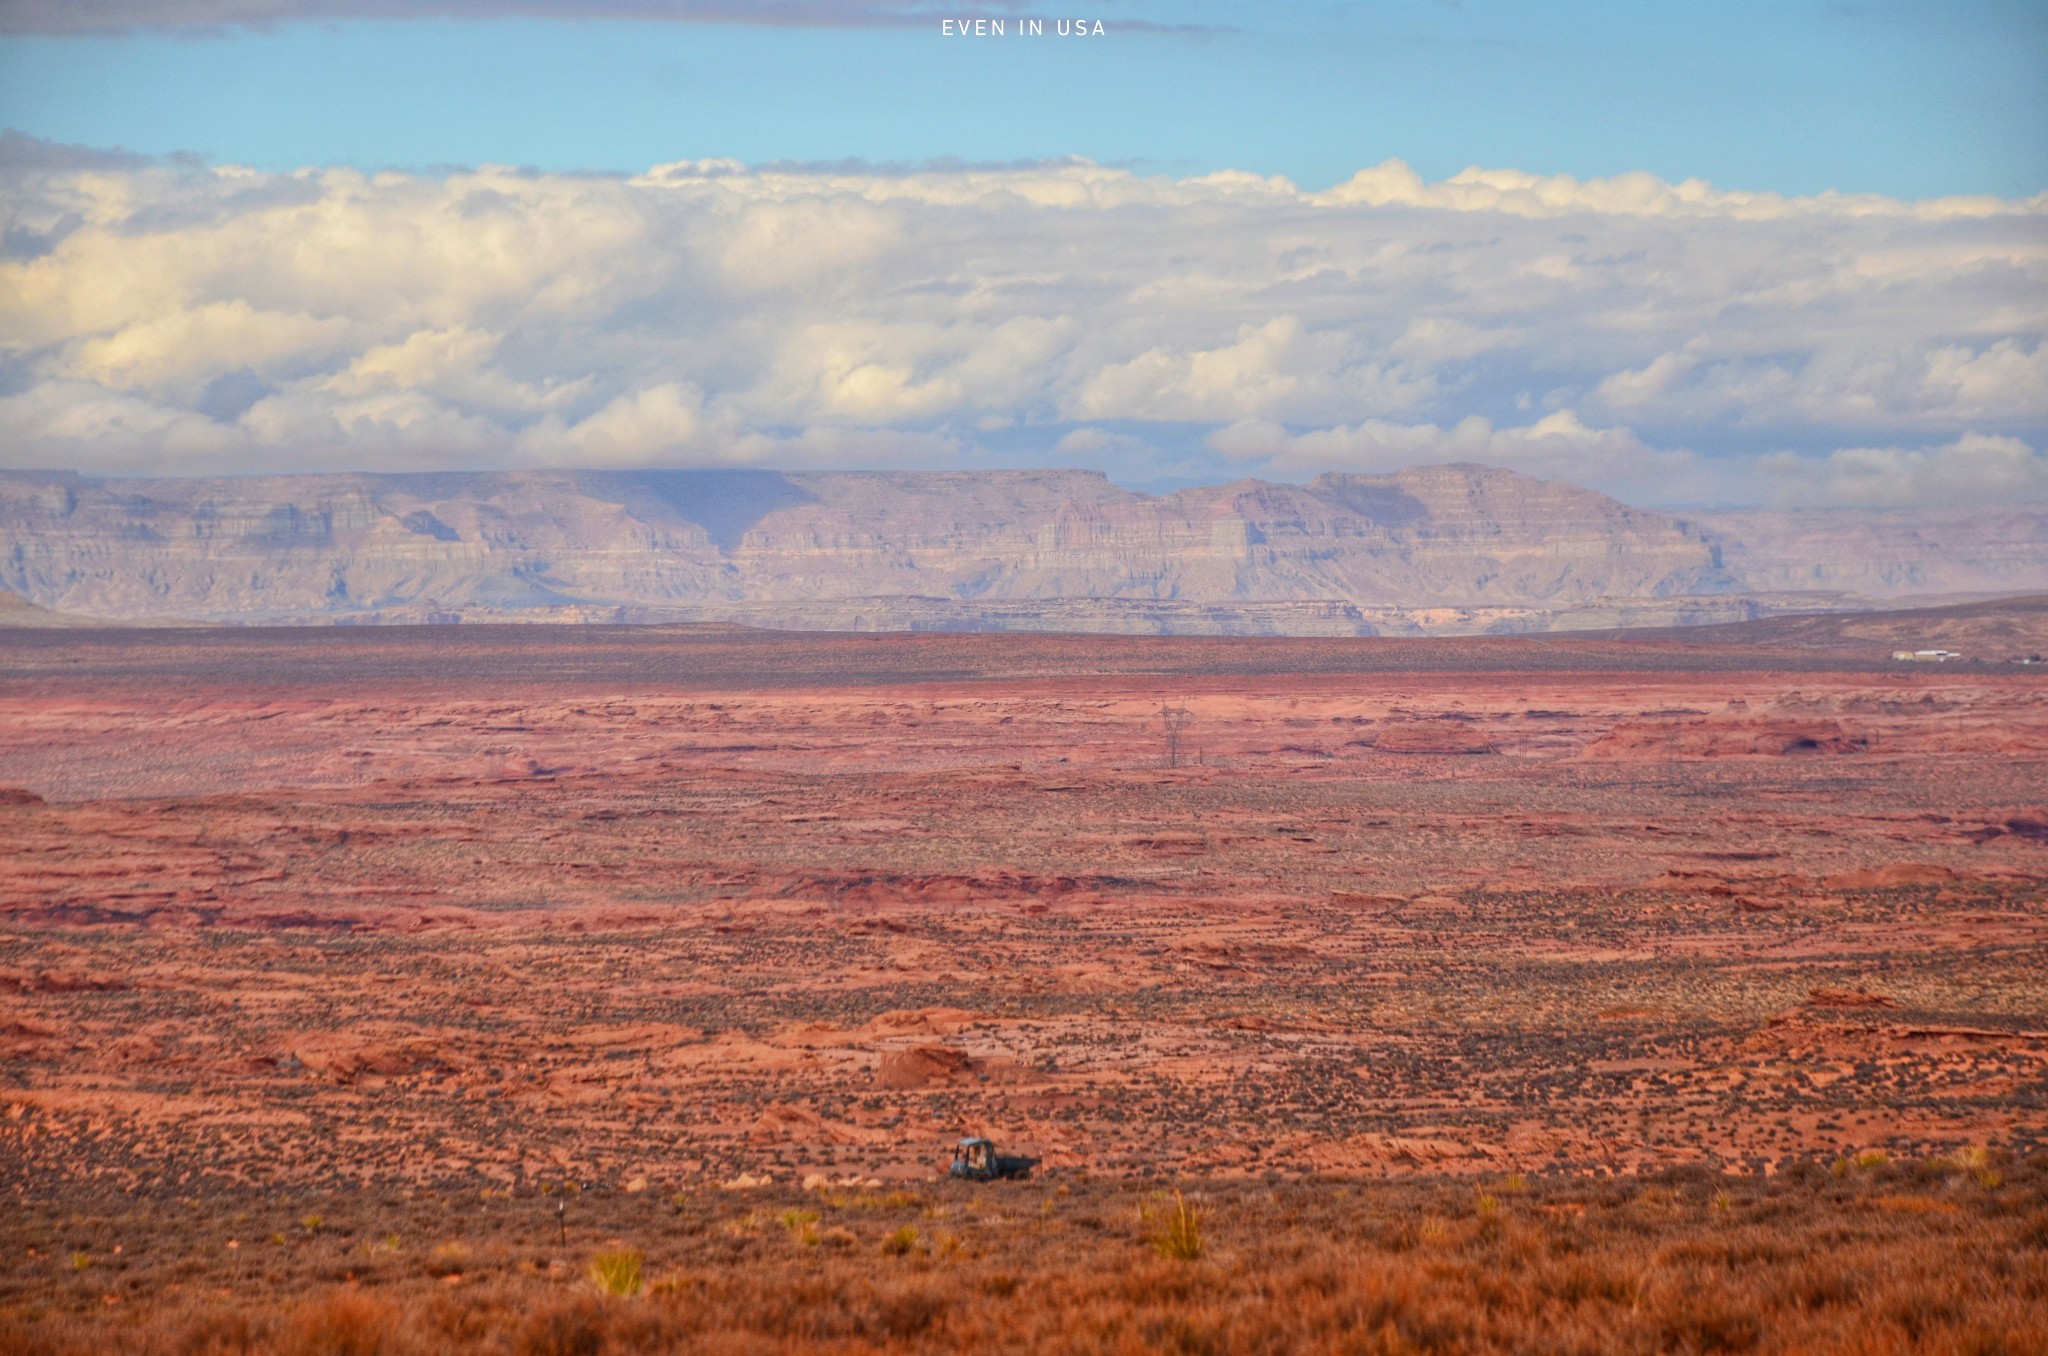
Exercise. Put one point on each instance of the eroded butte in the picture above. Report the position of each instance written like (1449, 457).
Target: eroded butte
(505, 905)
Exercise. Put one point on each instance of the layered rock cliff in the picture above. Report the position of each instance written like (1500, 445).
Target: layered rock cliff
(1888, 553)
(1438, 548)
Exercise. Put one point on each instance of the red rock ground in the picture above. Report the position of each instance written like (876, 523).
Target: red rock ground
(507, 905)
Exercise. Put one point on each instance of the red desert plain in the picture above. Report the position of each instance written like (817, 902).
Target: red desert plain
(603, 988)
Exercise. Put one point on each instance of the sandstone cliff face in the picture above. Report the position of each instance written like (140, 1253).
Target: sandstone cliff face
(1439, 548)
(1446, 536)
(1888, 553)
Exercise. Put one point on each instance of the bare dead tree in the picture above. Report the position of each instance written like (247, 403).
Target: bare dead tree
(1175, 719)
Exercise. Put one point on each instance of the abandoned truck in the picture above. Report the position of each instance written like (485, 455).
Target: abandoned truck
(976, 1159)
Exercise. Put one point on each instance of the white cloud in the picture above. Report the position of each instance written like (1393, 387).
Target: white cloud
(2003, 381)
(182, 350)
(1087, 441)
(1873, 384)
(1278, 368)
(1393, 183)
(1642, 388)
(708, 312)
(117, 430)
(1558, 446)
(804, 242)
(638, 428)
(1974, 469)
(454, 364)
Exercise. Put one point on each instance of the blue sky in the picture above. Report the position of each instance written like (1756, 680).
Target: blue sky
(1908, 99)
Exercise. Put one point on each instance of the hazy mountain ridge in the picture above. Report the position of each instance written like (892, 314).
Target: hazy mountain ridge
(1887, 553)
(1438, 548)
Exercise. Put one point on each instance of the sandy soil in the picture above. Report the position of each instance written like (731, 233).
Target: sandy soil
(326, 909)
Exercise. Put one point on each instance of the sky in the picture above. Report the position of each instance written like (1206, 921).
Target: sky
(1687, 253)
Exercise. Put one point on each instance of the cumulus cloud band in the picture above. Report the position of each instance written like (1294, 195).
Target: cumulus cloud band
(171, 318)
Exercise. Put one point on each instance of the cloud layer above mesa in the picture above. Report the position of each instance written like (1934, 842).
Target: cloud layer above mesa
(1668, 342)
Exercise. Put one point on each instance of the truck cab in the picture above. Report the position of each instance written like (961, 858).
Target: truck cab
(976, 1160)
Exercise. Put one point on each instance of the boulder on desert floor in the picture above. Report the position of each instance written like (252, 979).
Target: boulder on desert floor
(922, 1066)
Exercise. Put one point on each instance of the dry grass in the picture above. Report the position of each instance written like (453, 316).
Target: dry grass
(1180, 1232)
(1889, 1258)
(617, 1272)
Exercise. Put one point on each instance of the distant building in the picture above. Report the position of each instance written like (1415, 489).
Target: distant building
(1925, 656)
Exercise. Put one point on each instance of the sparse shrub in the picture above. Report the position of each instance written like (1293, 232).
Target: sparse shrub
(447, 1259)
(1976, 1161)
(1817, 1285)
(1180, 1235)
(342, 1324)
(1575, 1280)
(1873, 1267)
(617, 1272)
(313, 1224)
(216, 1331)
(1708, 1322)
(1923, 1310)
(564, 1330)
(802, 1226)
(907, 1313)
(454, 1321)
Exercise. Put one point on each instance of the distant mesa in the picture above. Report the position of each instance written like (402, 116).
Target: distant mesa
(1460, 549)
(19, 613)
